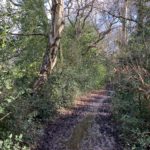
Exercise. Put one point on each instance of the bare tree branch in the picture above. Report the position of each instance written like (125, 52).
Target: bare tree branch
(1, 119)
(121, 17)
(29, 34)
(88, 14)
(101, 37)
(16, 4)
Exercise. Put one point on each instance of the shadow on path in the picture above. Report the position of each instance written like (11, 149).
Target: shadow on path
(75, 129)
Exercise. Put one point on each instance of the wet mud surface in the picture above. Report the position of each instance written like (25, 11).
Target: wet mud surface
(86, 126)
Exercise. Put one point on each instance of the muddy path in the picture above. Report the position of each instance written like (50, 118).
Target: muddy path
(86, 126)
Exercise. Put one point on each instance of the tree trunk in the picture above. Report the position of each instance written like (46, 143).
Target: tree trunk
(140, 16)
(124, 23)
(50, 56)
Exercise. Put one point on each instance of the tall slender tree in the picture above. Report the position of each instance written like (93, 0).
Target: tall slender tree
(124, 22)
(140, 15)
(50, 56)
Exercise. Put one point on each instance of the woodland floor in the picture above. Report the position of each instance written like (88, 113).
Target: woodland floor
(86, 126)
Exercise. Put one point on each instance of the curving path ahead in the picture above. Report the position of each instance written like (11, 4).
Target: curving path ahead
(86, 126)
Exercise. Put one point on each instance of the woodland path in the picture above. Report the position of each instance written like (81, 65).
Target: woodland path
(86, 126)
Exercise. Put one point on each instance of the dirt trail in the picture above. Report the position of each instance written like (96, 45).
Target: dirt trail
(87, 126)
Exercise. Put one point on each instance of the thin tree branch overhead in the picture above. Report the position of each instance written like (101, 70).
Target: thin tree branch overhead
(29, 34)
(15, 3)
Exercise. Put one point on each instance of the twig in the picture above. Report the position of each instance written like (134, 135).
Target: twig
(30, 34)
(5, 116)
